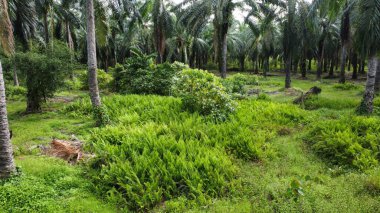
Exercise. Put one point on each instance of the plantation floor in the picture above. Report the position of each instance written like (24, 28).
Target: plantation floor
(266, 185)
(55, 186)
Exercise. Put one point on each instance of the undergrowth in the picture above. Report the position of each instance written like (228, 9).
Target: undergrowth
(350, 141)
(156, 152)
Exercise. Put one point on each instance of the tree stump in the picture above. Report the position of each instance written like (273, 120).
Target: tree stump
(304, 96)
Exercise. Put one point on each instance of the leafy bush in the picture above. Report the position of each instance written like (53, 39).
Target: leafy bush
(44, 75)
(13, 91)
(203, 92)
(144, 165)
(141, 76)
(346, 86)
(351, 141)
(104, 79)
(237, 82)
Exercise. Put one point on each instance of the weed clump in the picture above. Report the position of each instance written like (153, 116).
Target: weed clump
(346, 86)
(350, 141)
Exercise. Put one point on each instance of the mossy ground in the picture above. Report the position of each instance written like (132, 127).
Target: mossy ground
(59, 187)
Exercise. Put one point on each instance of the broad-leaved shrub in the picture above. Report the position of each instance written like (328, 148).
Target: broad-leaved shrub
(203, 92)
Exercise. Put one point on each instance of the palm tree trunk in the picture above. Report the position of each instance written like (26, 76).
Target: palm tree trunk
(222, 53)
(91, 52)
(288, 80)
(377, 80)
(7, 166)
(355, 66)
(342, 79)
(331, 71)
(320, 61)
(303, 67)
(366, 105)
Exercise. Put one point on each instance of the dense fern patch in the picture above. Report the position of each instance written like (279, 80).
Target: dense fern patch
(351, 141)
(154, 151)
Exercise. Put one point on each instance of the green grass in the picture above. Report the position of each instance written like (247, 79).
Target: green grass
(261, 183)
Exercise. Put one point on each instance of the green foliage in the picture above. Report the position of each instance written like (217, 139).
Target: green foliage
(346, 86)
(203, 92)
(155, 151)
(14, 92)
(145, 165)
(44, 75)
(237, 82)
(104, 79)
(351, 141)
(141, 75)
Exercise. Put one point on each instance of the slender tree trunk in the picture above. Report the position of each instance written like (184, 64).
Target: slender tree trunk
(377, 81)
(342, 79)
(70, 42)
(303, 68)
(369, 94)
(345, 37)
(355, 66)
(288, 81)
(7, 166)
(91, 54)
(46, 28)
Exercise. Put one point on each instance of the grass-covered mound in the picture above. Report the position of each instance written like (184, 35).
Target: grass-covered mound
(351, 141)
(154, 151)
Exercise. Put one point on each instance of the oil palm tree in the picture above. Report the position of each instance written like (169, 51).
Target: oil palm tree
(24, 20)
(45, 8)
(162, 26)
(91, 56)
(368, 35)
(197, 14)
(290, 38)
(7, 166)
(262, 22)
